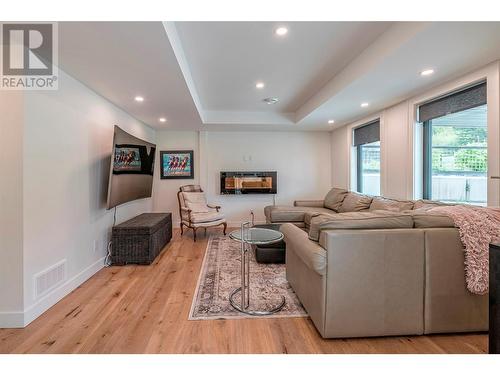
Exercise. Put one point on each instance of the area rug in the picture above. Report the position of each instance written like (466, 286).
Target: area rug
(220, 274)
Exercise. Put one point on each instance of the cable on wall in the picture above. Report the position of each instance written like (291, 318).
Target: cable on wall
(107, 259)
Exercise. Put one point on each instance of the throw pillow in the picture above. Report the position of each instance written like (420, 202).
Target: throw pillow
(196, 202)
(334, 198)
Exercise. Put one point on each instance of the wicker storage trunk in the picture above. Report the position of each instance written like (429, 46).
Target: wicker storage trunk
(140, 239)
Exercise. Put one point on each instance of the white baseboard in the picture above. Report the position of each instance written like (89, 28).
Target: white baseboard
(46, 302)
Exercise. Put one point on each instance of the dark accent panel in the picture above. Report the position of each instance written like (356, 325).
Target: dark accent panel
(235, 183)
(459, 101)
(368, 133)
(359, 170)
(494, 334)
(427, 160)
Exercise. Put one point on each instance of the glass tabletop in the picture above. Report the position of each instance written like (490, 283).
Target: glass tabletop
(257, 236)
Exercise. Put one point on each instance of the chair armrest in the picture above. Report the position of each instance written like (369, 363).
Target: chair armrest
(214, 206)
(309, 203)
(188, 211)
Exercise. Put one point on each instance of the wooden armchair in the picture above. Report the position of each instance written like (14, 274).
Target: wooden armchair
(195, 212)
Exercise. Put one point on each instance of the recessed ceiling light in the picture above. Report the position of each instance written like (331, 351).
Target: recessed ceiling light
(270, 100)
(364, 105)
(260, 85)
(139, 99)
(426, 72)
(162, 119)
(280, 31)
(331, 121)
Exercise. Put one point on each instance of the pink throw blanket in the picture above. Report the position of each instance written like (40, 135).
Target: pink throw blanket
(478, 227)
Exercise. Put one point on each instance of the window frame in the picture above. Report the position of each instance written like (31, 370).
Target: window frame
(359, 168)
(427, 161)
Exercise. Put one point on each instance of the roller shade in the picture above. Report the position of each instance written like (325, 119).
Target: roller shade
(367, 133)
(459, 101)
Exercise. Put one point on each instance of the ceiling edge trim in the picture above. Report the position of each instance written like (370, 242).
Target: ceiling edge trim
(176, 44)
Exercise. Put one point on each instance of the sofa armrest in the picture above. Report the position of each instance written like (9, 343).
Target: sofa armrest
(375, 282)
(309, 203)
(310, 252)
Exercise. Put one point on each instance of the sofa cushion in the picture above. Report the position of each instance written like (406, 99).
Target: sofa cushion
(425, 204)
(422, 219)
(334, 198)
(355, 202)
(289, 214)
(308, 216)
(315, 220)
(381, 203)
(359, 220)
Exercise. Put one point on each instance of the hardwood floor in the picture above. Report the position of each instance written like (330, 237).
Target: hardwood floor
(144, 309)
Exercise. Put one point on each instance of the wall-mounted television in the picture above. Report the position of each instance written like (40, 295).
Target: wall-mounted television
(131, 170)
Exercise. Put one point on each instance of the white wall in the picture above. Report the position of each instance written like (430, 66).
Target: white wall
(340, 158)
(400, 164)
(11, 209)
(302, 160)
(165, 191)
(394, 155)
(67, 147)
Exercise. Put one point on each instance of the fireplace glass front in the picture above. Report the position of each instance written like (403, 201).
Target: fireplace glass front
(248, 182)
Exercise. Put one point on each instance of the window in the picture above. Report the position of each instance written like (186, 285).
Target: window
(455, 150)
(366, 140)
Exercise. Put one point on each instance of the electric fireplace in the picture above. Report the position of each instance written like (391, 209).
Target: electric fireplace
(248, 183)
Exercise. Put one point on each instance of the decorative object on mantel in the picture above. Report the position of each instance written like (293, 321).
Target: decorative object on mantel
(494, 298)
(176, 164)
(221, 271)
(140, 239)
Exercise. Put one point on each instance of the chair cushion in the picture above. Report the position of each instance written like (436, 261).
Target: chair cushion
(202, 217)
(196, 202)
(359, 220)
(381, 203)
(355, 202)
(334, 198)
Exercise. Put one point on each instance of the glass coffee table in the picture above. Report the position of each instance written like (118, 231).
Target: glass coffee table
(249, 236)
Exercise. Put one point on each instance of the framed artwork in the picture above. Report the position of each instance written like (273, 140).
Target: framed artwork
(176, 164)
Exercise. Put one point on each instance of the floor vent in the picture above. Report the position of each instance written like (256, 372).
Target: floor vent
(48, 279)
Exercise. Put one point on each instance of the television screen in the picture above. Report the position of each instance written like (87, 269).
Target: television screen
(132, 166)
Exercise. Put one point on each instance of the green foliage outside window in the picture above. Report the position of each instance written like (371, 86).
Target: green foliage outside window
(459, 149)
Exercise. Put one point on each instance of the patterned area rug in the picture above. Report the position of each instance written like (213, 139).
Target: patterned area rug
(220, 274)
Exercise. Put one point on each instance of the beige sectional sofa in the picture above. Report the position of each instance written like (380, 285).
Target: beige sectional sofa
(370, 266)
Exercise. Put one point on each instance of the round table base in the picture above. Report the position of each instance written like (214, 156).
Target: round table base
(253, 312)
